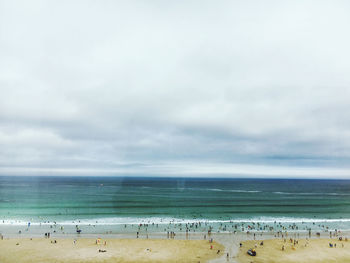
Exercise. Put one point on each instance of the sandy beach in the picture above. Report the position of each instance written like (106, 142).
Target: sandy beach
(305, 251)
(116, 250)
(302, 250)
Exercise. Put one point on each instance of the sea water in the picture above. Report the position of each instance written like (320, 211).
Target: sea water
(120, 203)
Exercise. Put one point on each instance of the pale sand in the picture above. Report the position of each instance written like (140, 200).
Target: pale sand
(317, 250)
(118, 250)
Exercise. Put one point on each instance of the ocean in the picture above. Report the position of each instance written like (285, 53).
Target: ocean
(114, 203)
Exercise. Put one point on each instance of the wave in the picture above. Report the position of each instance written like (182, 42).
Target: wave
(252, 191)
(244, 191)
(168, 220)
(204, 189)
(226, 190)
(290, 193)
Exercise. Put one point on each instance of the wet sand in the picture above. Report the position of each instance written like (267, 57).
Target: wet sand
(306, 251)
(117, 250)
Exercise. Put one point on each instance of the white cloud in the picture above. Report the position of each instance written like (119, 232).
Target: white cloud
(103, 84)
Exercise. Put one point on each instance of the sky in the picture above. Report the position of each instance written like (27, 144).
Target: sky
(175, 88)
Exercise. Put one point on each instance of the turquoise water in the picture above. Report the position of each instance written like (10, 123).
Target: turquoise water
(116, 201)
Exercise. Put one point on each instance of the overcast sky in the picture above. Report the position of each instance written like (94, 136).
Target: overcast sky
(175, 88)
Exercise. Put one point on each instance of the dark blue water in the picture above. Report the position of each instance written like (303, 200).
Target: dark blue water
(124, 199)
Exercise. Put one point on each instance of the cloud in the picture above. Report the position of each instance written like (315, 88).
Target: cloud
(90, 86)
